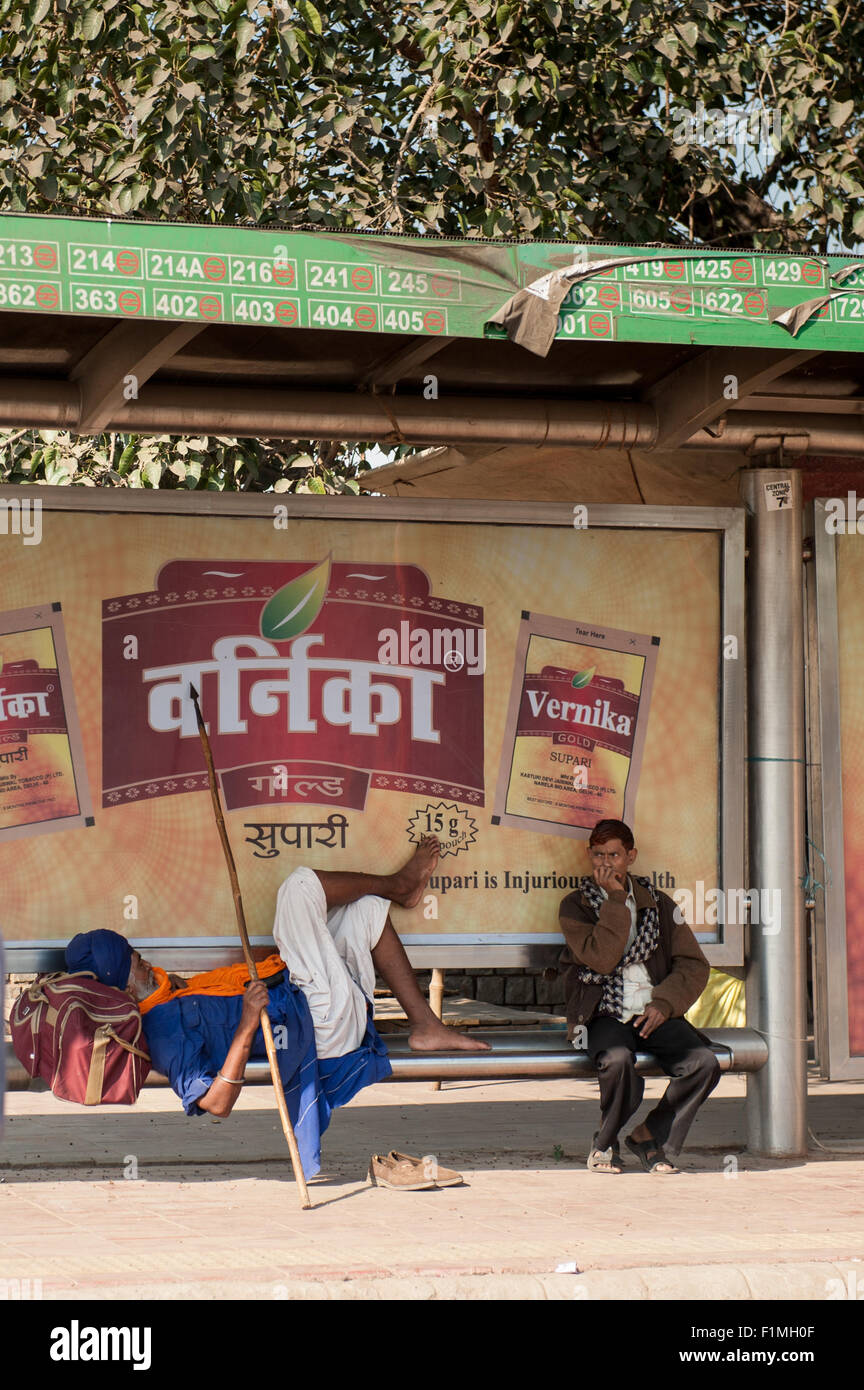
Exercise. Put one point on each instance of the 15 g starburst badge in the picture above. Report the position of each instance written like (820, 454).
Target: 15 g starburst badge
(456, 830)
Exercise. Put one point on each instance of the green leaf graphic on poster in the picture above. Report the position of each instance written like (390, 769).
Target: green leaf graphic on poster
(583, 678)
(296, 605)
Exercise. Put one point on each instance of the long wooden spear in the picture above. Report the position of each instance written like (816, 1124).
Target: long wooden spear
(266, 1026)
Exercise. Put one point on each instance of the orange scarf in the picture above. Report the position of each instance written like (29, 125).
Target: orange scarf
(230, 979)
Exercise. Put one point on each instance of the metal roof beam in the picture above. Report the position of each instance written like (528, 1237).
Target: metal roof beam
(699, 392)
(394, 366)
(111, 374)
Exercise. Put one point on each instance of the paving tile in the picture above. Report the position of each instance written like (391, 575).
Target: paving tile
(520, 1212)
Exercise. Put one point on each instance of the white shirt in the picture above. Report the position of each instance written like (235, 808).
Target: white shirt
(635, 978)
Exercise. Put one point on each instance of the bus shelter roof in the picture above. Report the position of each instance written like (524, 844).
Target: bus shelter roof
(188, 329)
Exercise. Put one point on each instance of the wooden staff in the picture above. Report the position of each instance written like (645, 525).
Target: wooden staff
(266, 1026)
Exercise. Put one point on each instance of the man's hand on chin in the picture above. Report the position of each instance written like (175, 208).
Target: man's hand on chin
(649, 1020)
(606, 878)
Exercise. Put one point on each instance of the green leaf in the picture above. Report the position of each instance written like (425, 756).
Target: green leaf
(91, 23)
(38, 11)
(295, 606)
(689, 33)
(583, 678)
(152, 471)
(127, 458)
(244, 33)
(311, 16)
(839, 112)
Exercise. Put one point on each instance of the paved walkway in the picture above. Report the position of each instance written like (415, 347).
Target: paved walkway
(213, 1210)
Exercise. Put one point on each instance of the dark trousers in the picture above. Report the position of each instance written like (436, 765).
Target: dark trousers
(682, 1055)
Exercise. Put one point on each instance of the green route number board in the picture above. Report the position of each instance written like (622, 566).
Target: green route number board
(408, 286)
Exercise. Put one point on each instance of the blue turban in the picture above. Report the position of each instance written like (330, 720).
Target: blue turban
(106, 953)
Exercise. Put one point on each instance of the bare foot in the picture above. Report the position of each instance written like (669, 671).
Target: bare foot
(409, 882)
(437, 1037)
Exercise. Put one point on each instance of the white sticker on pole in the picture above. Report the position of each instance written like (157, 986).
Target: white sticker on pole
(778, 495)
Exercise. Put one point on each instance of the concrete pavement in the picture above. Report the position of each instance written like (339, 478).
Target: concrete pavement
(147, 1204)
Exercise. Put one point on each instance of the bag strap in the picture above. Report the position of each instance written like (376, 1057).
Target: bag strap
(108, 1032)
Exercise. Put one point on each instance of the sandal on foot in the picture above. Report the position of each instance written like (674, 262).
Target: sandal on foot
(650, 1154)
(604, 1160)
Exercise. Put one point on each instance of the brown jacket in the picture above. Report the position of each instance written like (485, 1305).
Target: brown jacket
(677, 969)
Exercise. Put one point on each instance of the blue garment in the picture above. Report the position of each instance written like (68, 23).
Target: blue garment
(189, 1040)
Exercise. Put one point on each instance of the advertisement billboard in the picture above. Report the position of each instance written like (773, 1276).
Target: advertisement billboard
(370, 671)
(839, 976)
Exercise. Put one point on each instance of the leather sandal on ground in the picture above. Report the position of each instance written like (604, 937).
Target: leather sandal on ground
(402, 1176)
(429, 1167)
(650, 1154)
(610, 1156)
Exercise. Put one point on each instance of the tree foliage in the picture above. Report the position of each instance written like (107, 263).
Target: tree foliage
(579, 119)
(465, 117)
(214, 464)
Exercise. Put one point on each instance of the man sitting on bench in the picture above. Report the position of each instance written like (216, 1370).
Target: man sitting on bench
(632, 969)
(333, 933)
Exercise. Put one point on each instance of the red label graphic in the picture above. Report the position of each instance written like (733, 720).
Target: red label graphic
(30, 702)
(601, 714)
(305, 720)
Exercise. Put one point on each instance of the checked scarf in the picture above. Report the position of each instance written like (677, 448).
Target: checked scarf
(645, 943)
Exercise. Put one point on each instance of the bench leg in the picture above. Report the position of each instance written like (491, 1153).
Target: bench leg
(436, 1004)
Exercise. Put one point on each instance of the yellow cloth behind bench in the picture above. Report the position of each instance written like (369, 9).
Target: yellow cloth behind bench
(721, 1003)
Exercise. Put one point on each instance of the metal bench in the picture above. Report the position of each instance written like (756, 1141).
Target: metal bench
(519, 1053)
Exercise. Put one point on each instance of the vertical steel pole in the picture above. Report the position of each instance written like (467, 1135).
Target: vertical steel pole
(436, 1004)
(776, 973)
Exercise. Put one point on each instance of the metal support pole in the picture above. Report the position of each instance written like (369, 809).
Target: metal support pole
(776, 974)
(436, 1004)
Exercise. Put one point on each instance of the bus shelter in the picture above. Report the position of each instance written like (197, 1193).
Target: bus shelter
(615, 571)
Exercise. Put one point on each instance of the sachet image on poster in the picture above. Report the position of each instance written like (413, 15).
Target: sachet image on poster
(576, 726)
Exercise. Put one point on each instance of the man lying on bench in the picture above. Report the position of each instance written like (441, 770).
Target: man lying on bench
(333, 933)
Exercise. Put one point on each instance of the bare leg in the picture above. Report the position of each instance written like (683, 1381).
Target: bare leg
(404, 887)
(427, 1033)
